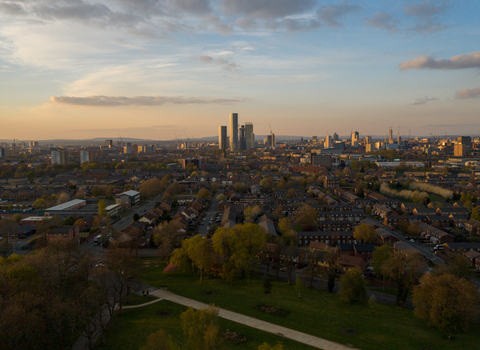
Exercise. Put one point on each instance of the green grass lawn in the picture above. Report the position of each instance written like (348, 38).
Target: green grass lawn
(135, 299)
(132, 328)
(316, 312)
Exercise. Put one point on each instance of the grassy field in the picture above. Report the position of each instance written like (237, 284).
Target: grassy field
(133, 327)
(316, 312)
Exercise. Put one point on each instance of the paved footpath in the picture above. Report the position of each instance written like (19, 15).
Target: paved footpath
(300, 337)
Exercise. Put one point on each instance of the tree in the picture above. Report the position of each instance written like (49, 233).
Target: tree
(285, 225)
(313, 258)
(62, 198)
(447, 302)
(290, 193)
(332, 261)
(221, 197)
(405, 270)
(200, 251)
(69, 220)
(17, 217)
(8, 227)
(365, 233)
(352, 286)
(278, 213)
(307, 217)
(159, 340)
(475, 213)
(380, 257)
(204, 193)
(102, 209)
(266, 346)
(298, 285)
(136, 217)
(168, 236)
(252, 212)
(39, 204)
(201, 328)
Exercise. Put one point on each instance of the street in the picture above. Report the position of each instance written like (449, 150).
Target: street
(209, 215)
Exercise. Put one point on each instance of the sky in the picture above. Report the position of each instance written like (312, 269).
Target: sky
(153, 69)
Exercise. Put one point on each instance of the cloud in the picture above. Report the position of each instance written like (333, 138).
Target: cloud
(12, 9)
(451, 125)
(229, 66)
(470, 60)
(422, 101)
(266, 9)
(383, 20)
(300, 25)
(332, 14)
(425, 14)
(111, 101)
(206, 59)
(468, 93)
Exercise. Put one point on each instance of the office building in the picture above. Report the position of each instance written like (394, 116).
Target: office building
(109, 143)
(465, 140)
(222, 138)
(335, 137)
(314, 139)
(320, 160)
(86, 156)
(60, 157)
(355, 137)
(328, 142)
(242, 141)
(249, 136)
(128, 149)
(459, 150)
(234, 131)
(390, 135)
(2, 153)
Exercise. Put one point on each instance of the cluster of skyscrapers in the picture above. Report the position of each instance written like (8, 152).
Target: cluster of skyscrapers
(241, 138)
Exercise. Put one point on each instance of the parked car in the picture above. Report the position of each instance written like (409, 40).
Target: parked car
(412, 240)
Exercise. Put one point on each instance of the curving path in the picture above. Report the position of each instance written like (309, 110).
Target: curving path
(300, 337)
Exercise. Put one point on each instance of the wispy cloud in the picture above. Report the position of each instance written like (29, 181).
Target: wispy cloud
(426, 15)
(422, 101)
(112, 101)
(470, 60)
(226, 65)
(468, 93)
(383, 20)
(331, 15)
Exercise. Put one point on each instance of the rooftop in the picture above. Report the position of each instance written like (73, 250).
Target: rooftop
(67, 205)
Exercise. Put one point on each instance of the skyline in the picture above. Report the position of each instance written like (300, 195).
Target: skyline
(83, 70)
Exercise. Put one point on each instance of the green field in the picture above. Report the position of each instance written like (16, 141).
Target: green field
(133, 326)
(316, 312)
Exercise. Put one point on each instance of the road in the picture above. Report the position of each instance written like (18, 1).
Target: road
(209, 215)
(124, 222)
(426, 250)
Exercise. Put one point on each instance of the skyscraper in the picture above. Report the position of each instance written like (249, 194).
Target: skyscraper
(249, 138)
(222, 138)
(355, 136)
(242, 140)
(335, 137)
(233, 131)
(109, 143)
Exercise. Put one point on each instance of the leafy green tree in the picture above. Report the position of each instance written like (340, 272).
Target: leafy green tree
(159, 340)
(352, 286)
(447, 302)
(307, 217)
(69, 221)
(475, 213)
(380, 258)
(365, 233)
(204, 193)
(267, 285)
(405, 270)
(200, 251)
(266, 346)
(221, 197)
(102, 209)
(201, 328)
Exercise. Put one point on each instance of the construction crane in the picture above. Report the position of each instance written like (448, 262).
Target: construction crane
(433, 137)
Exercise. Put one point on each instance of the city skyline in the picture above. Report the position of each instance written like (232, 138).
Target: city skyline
(83, 70)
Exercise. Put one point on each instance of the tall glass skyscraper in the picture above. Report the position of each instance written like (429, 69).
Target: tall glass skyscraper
(233, 131)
